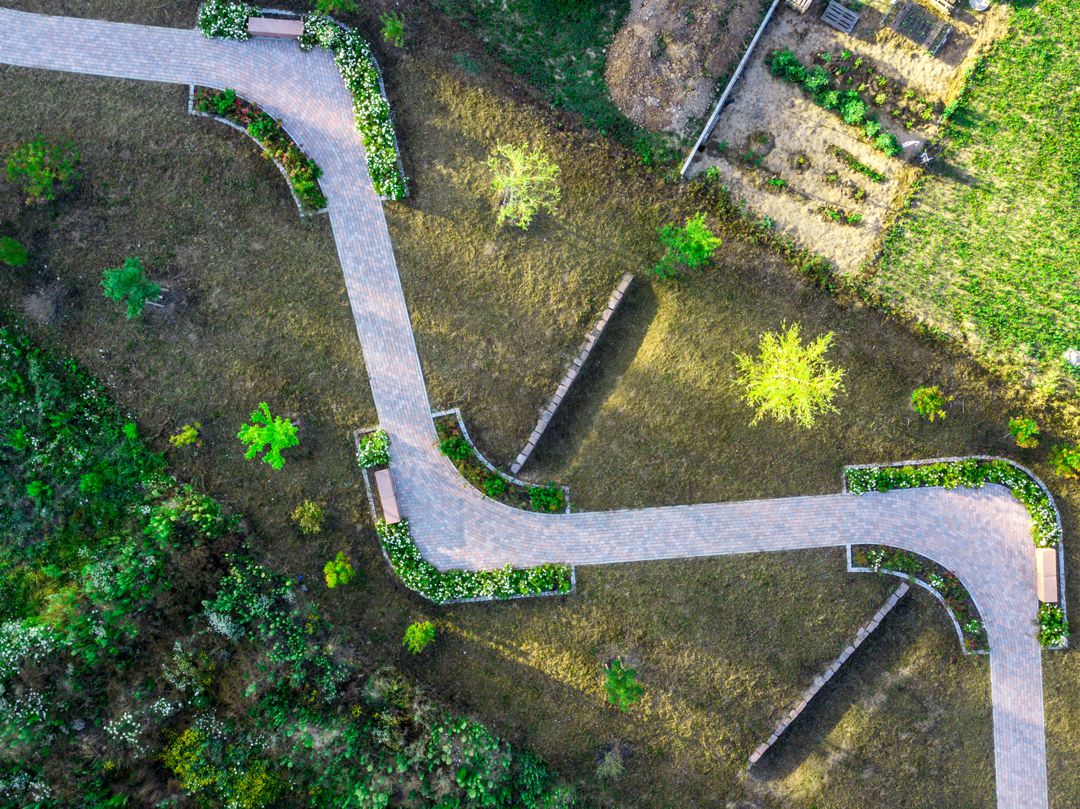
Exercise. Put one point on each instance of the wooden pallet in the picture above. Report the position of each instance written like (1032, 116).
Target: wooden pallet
(840, 17)
(800, 5)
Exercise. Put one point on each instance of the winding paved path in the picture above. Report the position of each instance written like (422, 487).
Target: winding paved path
(982, 535)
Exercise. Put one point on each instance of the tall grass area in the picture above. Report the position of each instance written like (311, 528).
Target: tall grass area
(988, 251)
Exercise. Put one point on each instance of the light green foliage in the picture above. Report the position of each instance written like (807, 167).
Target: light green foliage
(373, 449)
(1053, 628)
(929, 402)
(790, 381)
(527, 180)
(393, 28)
(547, 498)
(338, 571)
(621, 685)
(611, 766)
(43, 170)
(12, 252)
(268, 431)
(336, 6)
(308, 517)
(127, 284)
(418, 636)
(186, 436)
(1025, 430)
(690, 246)
(1066, 460)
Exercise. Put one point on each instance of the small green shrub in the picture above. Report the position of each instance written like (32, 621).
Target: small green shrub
(393, 28)
(494, 486)
(308, 517)
(12, 252)
(224, 102)
(186, 436)
(611, 766)
(929, 402)
(127, 284)
(264, 128)
(1053, 628)
(338, 571)
(418, 636)
(456, 448)
(373, 449)
(43, 170)
(852, 109)
(268, 431)
(527, 180)
(547, 498)
(1025, 431)
(621, 685)
(1065, 460)
(690, 246)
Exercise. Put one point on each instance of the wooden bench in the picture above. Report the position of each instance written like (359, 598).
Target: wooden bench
(275, 27)
(384, 485)
(1046, 575)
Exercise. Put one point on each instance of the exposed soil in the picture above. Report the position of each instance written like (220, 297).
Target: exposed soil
(821, 202)
(664, 65)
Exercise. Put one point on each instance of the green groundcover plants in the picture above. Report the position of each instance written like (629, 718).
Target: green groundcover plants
(1053, 628)
(12, 252)
(419, 575)
(971, 472)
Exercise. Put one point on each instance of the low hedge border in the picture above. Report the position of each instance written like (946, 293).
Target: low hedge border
(226, 19)
(970, 643)
(306, 206)
(517, 491)
(459, 586)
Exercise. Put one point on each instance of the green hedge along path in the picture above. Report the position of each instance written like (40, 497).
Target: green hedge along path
(983, 535)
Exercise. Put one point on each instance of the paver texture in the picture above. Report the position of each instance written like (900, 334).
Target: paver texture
(982, 535)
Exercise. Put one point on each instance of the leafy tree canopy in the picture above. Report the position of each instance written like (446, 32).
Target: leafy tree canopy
(128, 284)
(268, 431)
(690, 246)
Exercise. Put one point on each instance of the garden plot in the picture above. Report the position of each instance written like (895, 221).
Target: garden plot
(801, 167)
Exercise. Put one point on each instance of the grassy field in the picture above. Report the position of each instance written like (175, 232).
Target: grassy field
(723, 645)
(987, 253)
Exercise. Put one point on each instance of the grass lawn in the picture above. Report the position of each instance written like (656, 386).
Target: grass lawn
(988, 251)
(723, 645)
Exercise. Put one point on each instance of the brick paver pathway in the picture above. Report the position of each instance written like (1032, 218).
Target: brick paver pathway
(982, 535)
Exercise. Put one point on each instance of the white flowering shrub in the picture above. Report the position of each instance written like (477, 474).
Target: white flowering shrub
(22, 788)
(222, 19)
(21, 643)
(372, 449)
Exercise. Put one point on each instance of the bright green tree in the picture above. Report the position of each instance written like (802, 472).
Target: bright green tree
(690, 246)
(127, 284)
(621, 685)
(527, 180)
(12, 252)
(790, 381)
(338, 571)
(268, 431)
(393, 28)
(418, 636)
(43, 170)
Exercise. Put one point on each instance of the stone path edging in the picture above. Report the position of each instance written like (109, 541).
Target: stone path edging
(221, 119)
(819, 682)
(576, 365)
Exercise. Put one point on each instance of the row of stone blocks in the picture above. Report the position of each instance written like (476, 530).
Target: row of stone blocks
(571, 373)
(823, 678)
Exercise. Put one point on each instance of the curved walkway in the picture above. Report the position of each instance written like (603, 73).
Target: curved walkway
(982, 535)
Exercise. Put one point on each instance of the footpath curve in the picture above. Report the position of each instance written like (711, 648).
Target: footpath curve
(983, 535)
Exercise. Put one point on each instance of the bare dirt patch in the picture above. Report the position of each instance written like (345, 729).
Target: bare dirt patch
(664, 65)
(801, 185)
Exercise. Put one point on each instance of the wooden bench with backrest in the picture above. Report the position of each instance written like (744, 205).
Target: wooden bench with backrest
(1046, 575)
(384, 485)
(275, 27)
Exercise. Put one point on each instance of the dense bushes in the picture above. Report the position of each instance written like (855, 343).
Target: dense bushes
(1053, 628)
(43, 170)
(373, 449)
(971, 472)
(451, 585)
(225, 19)
(846, 103)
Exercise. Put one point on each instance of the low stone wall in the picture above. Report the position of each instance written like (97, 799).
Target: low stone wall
(823, 678)
(571, 373)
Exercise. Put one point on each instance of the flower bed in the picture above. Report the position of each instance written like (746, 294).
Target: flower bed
(353, 57)
(444, 586)
(971, 472)
(955, 597)
(302, 172)
(223, 19)
(455, 445)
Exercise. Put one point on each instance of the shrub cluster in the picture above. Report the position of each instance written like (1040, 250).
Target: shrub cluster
(846, 103)
(450, 585)
(353, 57)
(971, 472)
(224, 19)
(302, 171)
(1053, 628)
(373, 449)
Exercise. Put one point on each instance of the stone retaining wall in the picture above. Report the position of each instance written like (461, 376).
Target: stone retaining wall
(571, 373)
(823, 678)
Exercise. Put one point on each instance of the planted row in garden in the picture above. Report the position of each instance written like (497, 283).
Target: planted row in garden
(352, 55)
(303, 172)
(944, 582)
(818, 84)
(970, 472)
